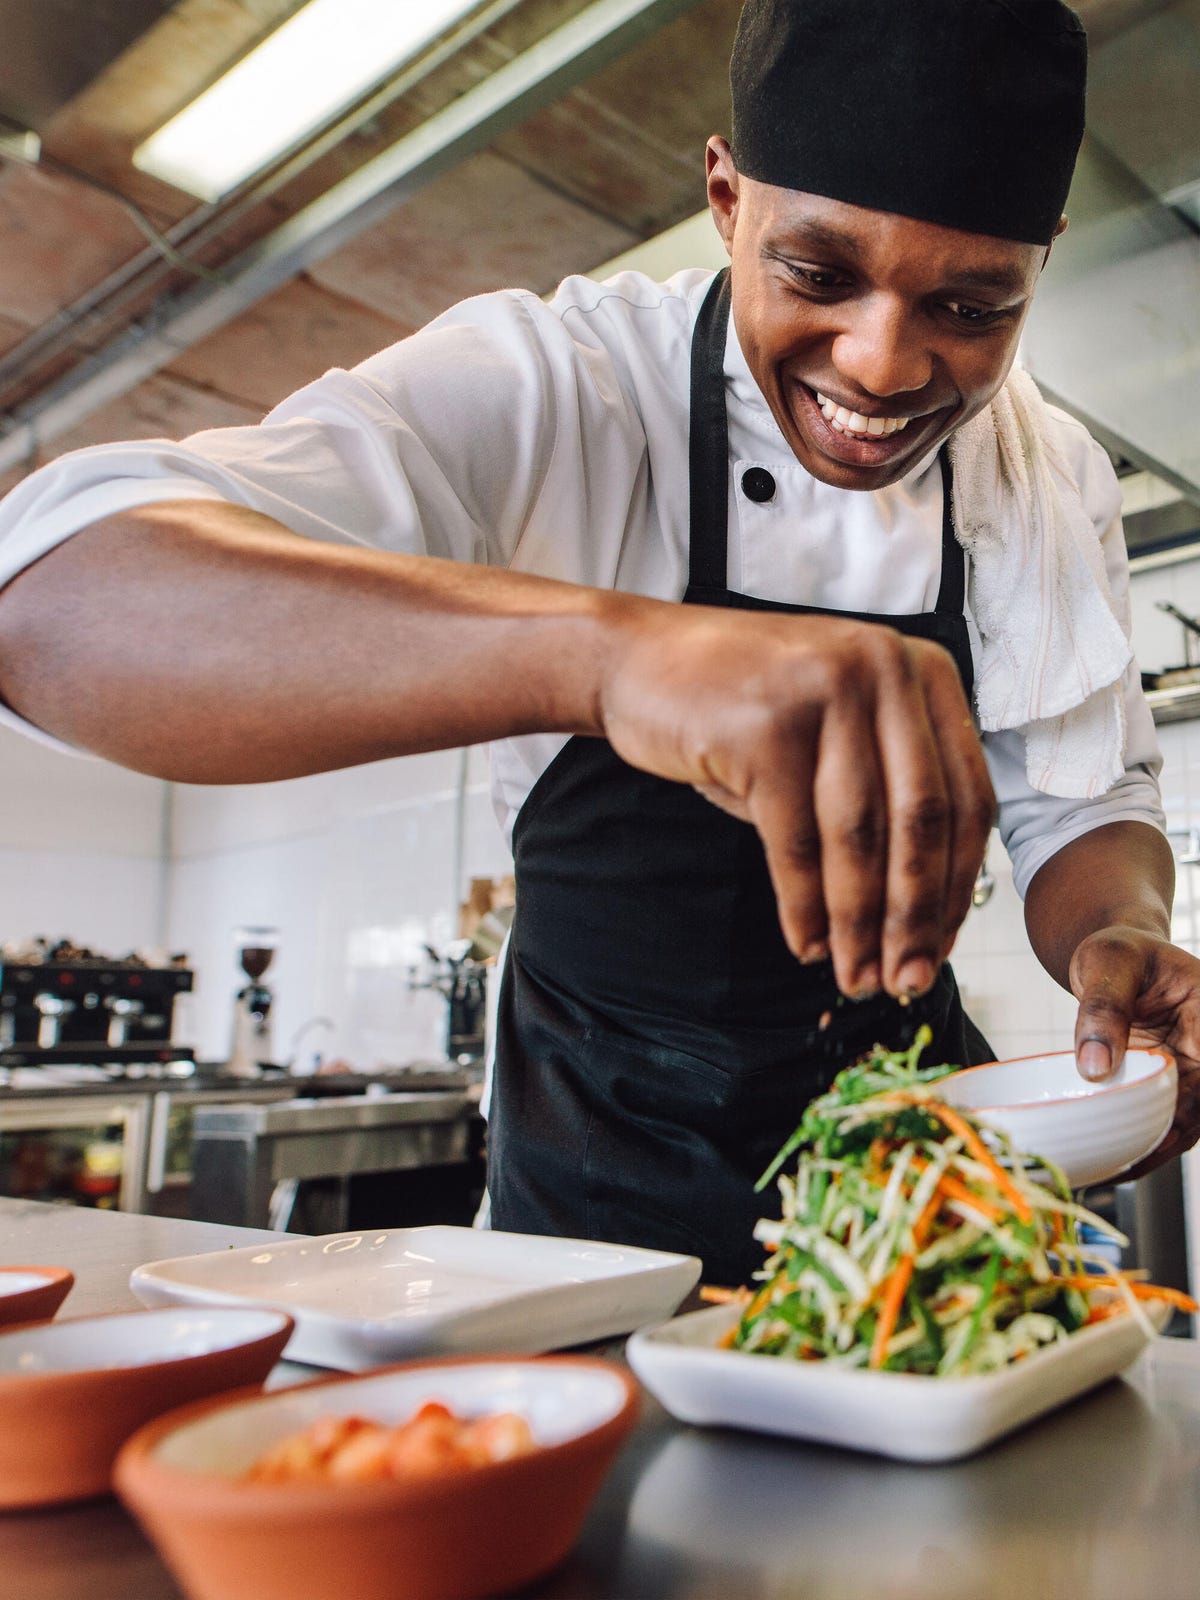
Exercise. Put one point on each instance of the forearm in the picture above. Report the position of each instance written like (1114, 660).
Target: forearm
(202, 642)
(1120, 875)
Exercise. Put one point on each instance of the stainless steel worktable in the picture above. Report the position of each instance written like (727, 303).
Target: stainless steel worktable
(1100, 1501)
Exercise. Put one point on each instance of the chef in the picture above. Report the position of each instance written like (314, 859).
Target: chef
(745, 826)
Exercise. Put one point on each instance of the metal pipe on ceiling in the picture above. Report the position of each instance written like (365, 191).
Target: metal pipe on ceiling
(571, 53)
(138, 276)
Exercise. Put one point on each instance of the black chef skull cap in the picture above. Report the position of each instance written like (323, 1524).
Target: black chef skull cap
(967, 113)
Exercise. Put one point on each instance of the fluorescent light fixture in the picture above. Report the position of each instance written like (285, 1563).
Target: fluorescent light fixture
(321, 60)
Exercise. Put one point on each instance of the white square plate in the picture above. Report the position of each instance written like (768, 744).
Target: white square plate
(899, 1414)
(362, 1299)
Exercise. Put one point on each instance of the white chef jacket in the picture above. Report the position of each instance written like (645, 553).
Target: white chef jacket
(552, 438)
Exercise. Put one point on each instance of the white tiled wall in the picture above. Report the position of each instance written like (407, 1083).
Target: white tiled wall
(79, 849)
(1018, 1006)
(1159, 639)
(359, 870)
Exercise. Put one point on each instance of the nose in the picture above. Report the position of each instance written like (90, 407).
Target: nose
(880, 350)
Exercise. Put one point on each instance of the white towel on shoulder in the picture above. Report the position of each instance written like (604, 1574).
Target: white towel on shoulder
(1053, 650)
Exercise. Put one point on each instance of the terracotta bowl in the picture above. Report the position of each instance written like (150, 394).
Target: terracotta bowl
(72, 1392)
(31, 1294)
(482, 1531)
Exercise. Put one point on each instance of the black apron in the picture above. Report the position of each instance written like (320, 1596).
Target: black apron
(657, 1041)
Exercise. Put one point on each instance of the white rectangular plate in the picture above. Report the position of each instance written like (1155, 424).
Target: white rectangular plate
(897, 1414)
(361, 1299)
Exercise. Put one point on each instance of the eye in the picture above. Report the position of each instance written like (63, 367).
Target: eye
(820, 279)
(975, 316)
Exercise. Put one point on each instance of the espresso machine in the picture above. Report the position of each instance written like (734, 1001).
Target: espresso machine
(64, 1004)
(251, 1042)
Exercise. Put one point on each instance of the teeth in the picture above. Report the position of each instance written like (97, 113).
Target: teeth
(853, 422)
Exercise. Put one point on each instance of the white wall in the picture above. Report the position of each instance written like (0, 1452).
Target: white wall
(79, 849)
(358, 870)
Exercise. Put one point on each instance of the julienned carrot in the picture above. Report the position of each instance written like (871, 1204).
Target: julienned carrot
(760, 1300)
(879, 1149)
(895, 1286)
(959, 1191)
(982, 1154)
(967, 1197)
(718, 1296)
(1140, 1291)
(1103, 1313)
(972, 1141)
(932, 1206)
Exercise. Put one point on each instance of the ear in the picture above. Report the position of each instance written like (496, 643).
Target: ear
(723, 185)
(1062, 228)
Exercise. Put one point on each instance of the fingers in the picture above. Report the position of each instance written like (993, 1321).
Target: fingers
(782, 809)
(1185, 1128)
(1107, 978)
(1185, 1131)
(971, 809)
(878, 865)
(941, 809)
(851, 817)
(852, 751)
(880, 808)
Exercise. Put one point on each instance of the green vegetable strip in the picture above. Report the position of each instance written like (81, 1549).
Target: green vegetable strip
(870, 1159)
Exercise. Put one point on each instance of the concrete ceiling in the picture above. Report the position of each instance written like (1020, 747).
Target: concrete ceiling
(567, 177)
(446, 184)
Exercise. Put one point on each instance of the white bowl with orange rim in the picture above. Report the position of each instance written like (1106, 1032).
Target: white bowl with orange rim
(1091, 1131)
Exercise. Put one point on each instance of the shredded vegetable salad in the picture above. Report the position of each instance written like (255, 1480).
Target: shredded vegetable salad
(913, 1239)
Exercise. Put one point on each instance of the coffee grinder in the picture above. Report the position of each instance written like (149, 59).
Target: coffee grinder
(250, 1048)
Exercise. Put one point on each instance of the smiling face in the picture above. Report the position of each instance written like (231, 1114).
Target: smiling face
(871, 335)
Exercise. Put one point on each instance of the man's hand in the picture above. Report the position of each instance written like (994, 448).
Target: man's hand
(849, 747)
(1134, 988)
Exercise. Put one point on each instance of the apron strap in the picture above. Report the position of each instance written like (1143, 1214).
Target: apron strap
(952, 594)
(708, 449)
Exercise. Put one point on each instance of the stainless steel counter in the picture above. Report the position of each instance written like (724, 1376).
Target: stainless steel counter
(142, 1108)
(1100, 1501)
(248, 1159)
